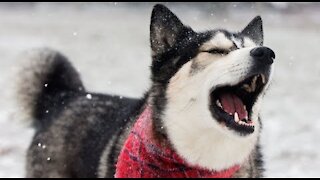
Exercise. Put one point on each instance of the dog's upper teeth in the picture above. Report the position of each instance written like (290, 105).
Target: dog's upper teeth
(253, 83)
(247, 88)
(218, 103)
(236, 117)
(263, 79)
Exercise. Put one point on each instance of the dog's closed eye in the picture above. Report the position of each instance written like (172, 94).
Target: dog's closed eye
(218, 51)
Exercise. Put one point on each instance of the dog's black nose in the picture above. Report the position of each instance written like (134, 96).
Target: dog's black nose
(263, 55)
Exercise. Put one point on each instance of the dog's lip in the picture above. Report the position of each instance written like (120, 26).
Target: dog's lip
(255, 85)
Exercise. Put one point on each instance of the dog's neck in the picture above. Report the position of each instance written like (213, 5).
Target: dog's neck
(143, 157)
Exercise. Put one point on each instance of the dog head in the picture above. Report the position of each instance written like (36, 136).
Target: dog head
(207, 88)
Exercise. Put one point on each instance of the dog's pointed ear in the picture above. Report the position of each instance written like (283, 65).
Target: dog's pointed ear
(164, 29)
(254, 30)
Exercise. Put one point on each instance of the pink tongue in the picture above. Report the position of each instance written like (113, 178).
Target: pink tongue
(231, 104)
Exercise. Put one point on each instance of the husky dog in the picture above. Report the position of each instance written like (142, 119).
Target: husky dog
(204, 104)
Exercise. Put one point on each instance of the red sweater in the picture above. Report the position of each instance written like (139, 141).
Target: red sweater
(142, 157)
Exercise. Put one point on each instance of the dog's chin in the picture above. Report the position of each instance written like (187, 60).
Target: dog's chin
(232, 106)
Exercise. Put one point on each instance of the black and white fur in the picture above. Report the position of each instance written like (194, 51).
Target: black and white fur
(77, 136)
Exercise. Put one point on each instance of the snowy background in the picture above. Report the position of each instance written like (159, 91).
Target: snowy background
(108, 43)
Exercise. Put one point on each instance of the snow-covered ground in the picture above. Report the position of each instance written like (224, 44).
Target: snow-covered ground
(109, 45)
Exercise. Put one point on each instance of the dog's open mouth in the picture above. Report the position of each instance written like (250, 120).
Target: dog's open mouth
(232, 105)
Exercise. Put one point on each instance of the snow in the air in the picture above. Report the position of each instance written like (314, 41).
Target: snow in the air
(89, 96)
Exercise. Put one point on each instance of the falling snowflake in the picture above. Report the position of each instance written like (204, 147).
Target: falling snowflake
(89, 96)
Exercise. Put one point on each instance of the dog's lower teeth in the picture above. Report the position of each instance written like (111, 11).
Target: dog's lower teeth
(243, 122)
(236, 117)
(218, 103)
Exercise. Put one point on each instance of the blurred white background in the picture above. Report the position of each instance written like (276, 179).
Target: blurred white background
(109, 44)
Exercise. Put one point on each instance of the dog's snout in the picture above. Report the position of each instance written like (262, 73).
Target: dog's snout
(263, 55)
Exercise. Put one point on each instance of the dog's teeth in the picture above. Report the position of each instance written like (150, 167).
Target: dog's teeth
(236, 117)
(245, 108)
(263, 79)
(255, 79)
(253, 83)
(247, 88)
(218, 103)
